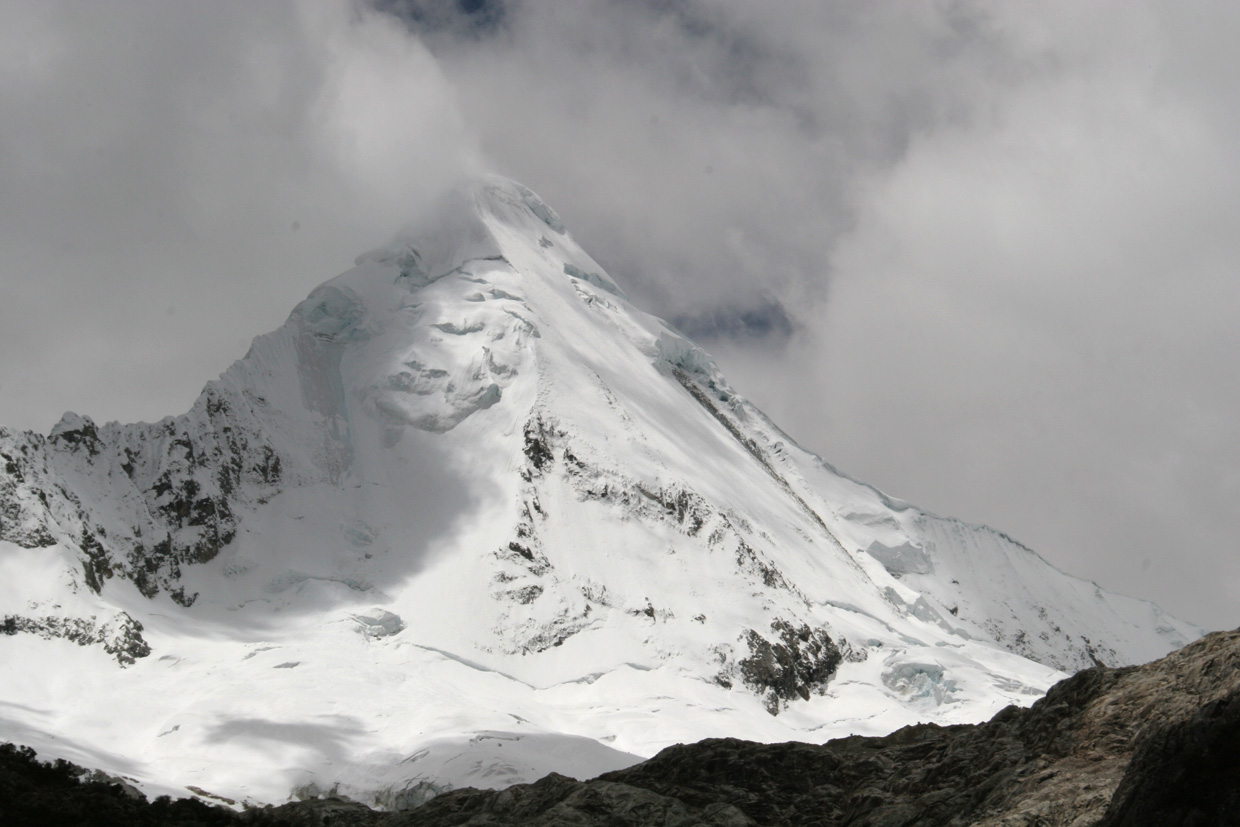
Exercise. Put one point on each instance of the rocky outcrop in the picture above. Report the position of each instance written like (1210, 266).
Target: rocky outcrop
(798, 663)
(138, 501)
(1185, 773)
(121, 637)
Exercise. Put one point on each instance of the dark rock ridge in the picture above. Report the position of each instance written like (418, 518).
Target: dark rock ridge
(1153, 744)
(120, 637)
(165, 494)
(800, 661)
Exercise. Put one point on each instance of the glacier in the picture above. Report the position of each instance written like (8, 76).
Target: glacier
(469, 517)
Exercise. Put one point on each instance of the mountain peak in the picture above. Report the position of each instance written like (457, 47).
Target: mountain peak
(479, 220)
(520, 525)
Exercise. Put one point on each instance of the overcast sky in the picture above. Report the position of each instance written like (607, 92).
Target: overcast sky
(985, 256)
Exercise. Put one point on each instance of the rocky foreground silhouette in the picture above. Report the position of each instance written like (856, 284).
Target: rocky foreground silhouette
(1152, 744)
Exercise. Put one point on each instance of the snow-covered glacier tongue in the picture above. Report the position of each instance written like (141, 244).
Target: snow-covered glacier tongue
(469, 517)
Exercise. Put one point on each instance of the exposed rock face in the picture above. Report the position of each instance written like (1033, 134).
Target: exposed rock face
(139, 501)
(121, 637)
(1187, 770)
(799, 662)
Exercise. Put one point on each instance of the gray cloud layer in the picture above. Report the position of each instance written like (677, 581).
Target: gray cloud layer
(982, 255)
(174, 176)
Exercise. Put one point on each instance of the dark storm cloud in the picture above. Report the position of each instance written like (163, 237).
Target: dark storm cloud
(982, 255)
(457, 18)
(711, 153)
(765, 320)
(705, 154)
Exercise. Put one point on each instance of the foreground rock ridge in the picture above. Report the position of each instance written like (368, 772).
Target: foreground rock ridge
(1154, 744)
(470, 517)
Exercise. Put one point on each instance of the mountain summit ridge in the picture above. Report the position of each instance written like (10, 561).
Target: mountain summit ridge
(468, 472)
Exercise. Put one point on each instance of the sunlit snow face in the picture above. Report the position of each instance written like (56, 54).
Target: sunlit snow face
(428, 354)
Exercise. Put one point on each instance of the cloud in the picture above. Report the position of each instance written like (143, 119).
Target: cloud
(1001, 238)
(708, 153)
(982, 255)
(1032, 315)
(767, 319)
(174, 177)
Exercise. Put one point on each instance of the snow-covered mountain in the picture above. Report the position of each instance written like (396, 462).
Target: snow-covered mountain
(469, 516)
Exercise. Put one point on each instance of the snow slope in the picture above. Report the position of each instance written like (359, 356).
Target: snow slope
(468, 517)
